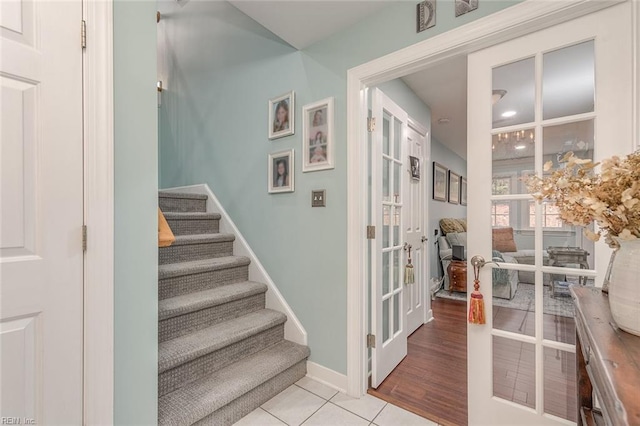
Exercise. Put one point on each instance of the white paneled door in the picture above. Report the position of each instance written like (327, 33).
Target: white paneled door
(398, 212)
(41, 257)
(531, 100)
(415, 232)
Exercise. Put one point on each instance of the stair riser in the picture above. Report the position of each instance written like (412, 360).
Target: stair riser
(189, 252)
(182, 205)
(240, 407)
(177, 286)
(188, 372)
(194, 226)
(184, 324)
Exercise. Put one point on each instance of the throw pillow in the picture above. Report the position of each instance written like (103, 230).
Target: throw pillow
(450, 225)
(503, 240)
(500, 276)
(457, 239)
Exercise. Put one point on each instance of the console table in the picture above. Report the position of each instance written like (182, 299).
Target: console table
(608, 363)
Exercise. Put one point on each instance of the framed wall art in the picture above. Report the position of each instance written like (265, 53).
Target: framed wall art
(463, 191)
(281, 172)
(282, 116)
(454, 188)
(318, 136)
(439, 182)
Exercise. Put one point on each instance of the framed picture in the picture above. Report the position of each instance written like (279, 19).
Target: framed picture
(318, 136)
(454, 188)
(414, 162)
(426, 15)
(439, 182)
(463, 191)
(465, 6)
(281, 172)
(282, 116)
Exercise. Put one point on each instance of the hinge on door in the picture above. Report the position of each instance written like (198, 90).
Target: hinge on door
(84, 238)
(371, 124)
(83, 34)
(371, 232)
(371, 340)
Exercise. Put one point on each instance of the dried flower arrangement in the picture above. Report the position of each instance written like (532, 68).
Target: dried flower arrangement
(611, 197)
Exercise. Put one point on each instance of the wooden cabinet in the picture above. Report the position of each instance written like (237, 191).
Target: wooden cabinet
(608, 363)
(457, 271)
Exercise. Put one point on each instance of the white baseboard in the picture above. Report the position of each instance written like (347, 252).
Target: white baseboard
(327, 376)
(293, 329)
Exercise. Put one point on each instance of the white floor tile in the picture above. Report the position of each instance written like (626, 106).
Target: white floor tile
(395, 416)
(259, 417)
(293, 405)
(367, 406)
(332, 415)
(323, 391)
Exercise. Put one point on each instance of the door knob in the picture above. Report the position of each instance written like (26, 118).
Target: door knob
(478, 262)
(424, 239)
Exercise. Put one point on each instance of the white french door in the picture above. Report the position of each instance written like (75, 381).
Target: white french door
(531, 100)
(388, 164)
(415, 220)
(41, 257)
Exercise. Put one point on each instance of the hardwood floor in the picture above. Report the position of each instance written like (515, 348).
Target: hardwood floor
(432, 380)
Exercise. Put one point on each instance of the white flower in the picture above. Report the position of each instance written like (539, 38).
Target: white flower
(548, 165)
(626, 235)
(591, 235)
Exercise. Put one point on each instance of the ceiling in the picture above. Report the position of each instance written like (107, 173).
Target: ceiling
(302, 23)
(568, 88)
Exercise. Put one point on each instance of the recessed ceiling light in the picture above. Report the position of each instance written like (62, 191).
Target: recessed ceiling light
(520, 146)
(508, 114)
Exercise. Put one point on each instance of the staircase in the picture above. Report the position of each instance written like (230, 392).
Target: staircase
(221, 354)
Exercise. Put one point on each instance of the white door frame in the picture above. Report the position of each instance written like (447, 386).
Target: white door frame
(520, 19)
(99, 212)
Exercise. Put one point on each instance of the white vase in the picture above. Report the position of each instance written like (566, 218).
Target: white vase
(624, 288)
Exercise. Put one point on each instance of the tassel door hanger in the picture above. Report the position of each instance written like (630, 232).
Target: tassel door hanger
(476, 306)
(409, 276)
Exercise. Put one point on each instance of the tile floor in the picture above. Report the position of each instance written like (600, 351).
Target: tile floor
(309, 402)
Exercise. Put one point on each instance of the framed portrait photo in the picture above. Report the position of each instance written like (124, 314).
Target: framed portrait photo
(281, 172)
(282, 115)
(414, 163)
(463, 191)
(439, 182)
(454, 188)
(318, 136)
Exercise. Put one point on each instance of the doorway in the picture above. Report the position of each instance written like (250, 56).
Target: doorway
(524, 18)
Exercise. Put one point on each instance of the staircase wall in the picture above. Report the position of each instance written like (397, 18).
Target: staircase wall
(293, 329)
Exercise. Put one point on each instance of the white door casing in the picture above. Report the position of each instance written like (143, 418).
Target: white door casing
(611, 31)
(388, 315)
(41, 195)
(415, 227)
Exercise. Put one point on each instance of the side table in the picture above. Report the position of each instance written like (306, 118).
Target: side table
(457, 271)
(563, 256)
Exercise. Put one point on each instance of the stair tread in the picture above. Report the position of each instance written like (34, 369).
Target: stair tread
(183, 240)
(208, 394)
(180, 350)
(191, 215)
(172, 270)
(187, 195)
(184, 304)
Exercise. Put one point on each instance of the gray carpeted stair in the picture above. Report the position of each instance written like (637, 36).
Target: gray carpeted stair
(221, 353)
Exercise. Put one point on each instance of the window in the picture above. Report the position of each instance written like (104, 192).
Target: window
(500, 214)
(550, 215)
(501, 185)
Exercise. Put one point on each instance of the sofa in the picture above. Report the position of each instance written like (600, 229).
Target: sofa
(454, 232)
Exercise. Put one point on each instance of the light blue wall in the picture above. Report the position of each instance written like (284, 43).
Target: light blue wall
(136, 231)
(443, 209)
(220, 68)
(398, 91)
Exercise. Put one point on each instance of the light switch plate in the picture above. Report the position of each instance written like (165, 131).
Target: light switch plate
(318, 198)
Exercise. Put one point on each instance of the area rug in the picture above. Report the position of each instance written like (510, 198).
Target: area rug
(524, 300)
